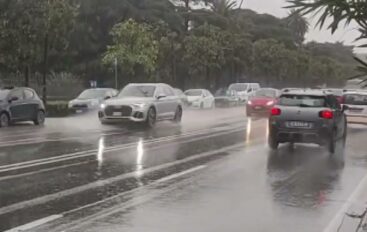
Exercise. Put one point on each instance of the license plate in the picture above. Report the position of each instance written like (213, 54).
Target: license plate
(258, 107)
(79, 111)
(297, 124)
(117, 114)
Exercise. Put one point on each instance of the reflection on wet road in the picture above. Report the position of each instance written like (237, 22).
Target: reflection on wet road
(212, 173)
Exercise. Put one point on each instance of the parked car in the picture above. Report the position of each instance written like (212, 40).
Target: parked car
(91, 99)
(200, 98)
(182, 97)
(356, 106)
(245, 90)
(21, 104)
(307, 116)
(226, 98)
(143, 103)
(262, 101)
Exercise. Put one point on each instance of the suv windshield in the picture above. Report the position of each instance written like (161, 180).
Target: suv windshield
(265, 93)
(3, 94)
(355, 99)
(194, 93)
(302, 101)
(138, 91)
(92, 93)
(239, 87)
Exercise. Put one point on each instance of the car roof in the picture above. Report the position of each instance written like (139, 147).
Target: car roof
(356, 92)
(310, 92)
(148, 84)
(268, 89)
(196, 90)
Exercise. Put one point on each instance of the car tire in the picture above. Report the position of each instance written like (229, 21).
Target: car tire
(202, 106)
(40, 118)
(332, 143)
(178, 115)
(151, 118)
(4, 120)
(273, 142)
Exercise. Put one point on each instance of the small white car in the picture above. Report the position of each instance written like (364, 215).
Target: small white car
(244, 90)
(200, 98)
(356, 106)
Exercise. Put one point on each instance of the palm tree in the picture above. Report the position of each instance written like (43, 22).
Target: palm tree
(223, 8)
(298, 25)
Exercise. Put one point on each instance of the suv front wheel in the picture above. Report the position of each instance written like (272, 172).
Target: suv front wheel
(4, 120)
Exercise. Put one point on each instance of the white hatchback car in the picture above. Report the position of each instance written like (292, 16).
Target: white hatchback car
(200, 98)
(356, 109)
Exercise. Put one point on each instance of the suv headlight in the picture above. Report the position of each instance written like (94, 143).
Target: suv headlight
(70, 104)
(270, 103)
(139, 105)
(102, 106)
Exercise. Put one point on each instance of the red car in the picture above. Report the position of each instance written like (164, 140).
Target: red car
(262, 101)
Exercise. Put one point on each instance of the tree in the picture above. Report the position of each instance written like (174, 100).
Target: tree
(204, 52)
(339, 12)
(30, 29)
(134, 47)
(298, 26)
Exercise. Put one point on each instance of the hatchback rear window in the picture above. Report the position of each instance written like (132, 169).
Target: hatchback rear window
(355, 99)
(302, 101)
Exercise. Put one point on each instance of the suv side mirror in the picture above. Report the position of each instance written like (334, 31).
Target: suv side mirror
(107, 97)
(13, 98)
(160, 96)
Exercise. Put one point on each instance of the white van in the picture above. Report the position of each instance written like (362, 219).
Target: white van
(245, 90)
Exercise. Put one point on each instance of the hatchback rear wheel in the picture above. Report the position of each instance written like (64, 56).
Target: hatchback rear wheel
(332, 143)
(273, 142)
(4, 120)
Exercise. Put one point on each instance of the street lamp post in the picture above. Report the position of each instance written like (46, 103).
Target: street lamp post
(116, 82)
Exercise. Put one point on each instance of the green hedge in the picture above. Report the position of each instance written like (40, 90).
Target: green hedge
(57, 109)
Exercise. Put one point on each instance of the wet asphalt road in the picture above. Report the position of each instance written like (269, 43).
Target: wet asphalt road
(213, 172)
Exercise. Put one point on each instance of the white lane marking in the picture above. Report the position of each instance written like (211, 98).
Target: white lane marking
(35, 224)
(164, 179)
(174, 176)
(51, 218)
(100, 183)
(42, 140)
(337, 219)
(93, 154)
(77, 155)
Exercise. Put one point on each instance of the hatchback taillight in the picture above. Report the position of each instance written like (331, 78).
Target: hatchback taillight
(327, 114)
(275, 111)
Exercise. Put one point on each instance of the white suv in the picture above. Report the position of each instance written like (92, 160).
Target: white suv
(245, 90)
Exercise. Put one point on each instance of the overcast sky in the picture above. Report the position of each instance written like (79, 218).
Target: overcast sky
(275, 7)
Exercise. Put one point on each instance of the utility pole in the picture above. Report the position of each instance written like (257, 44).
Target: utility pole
(116, 81)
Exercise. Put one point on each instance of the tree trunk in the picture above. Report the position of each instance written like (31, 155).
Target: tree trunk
(187, 18)
(207, 77)
(45, 69)
(26, 76)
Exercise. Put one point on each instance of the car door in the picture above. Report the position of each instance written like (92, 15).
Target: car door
(17, 106)
(160, 103)
(31, 104)
(172, 101)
